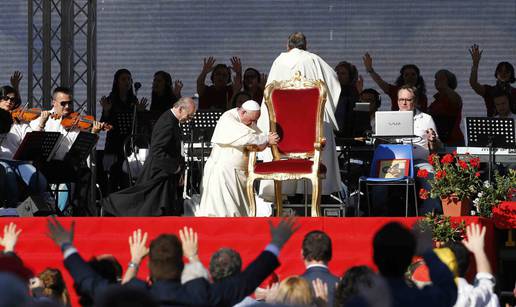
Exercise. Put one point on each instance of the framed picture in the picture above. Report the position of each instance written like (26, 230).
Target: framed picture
(393, 168)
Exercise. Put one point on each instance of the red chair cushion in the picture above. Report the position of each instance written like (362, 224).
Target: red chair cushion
(296, 118)
(296, 166)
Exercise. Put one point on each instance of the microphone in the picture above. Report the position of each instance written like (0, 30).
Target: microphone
(137, 86)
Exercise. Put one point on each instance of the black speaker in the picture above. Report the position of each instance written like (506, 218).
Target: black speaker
(35, 206)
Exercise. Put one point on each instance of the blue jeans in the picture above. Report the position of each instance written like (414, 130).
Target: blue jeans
(34, 180)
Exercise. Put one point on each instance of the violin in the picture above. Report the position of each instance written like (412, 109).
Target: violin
(83, 122)
(23, 115)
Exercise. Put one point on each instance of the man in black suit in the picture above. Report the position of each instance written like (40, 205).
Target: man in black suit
(155, 192)
(317, 252)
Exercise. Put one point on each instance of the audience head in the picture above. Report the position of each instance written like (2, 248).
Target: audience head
(249, 112)
(347, 73)
(317, 247)
(444, 78)
(407, 98)
(12, 264)
(54, 286)
(294, 291)
(14, 291)
(373, 97)
(62, 101)
(225, 262)
(504, 72)
(184, 109)
(124, 296)
(239, 99)
(108, 267)
(122, 83)
(221, 75)
(252, 79)
(348, 286)
(296, 40)
(8, 99)
(462, 257)
(166, 258)
(502, 103)
(393, 248)
(162, 83)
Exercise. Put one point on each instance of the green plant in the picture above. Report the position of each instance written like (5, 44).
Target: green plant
(443, 229)
(504, 188)
(453, 175)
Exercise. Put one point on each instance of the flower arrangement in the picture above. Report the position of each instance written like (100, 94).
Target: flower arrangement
(453, 175)
(504, 188)
(443, 229)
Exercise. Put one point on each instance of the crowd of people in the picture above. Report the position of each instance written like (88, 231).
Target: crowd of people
(437, 122)
(172, 281)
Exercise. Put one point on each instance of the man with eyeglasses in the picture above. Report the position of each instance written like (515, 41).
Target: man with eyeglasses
(155, 192)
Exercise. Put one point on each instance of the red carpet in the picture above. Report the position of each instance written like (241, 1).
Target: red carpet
(352, 239)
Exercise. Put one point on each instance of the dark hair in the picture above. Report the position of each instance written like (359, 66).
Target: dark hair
(218, 67)
(377, 97)
(54, 286)
(6, 121)
(317, 246)
(451, 79)
(420, 83)
(258, 76)
(393, 249)
(168, 80)
(509, 67)
(352, 71)
(166, 258)
(114, 95)
(236, 96)
(6, 90)
(225, 262)
(461, 255)
(62, 89)
(348, 285)
(108, 267)
(125, 296)
(501, 93)
(297, 40)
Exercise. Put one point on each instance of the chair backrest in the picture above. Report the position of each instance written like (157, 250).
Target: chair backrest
(386, 152)
(296, 110)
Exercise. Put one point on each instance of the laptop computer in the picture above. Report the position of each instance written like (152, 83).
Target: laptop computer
(394, 123)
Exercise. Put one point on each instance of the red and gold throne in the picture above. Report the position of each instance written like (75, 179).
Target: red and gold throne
(296, 111)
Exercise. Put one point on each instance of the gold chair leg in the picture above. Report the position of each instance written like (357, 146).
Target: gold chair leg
(316, 197)
(278, 198)
(250, 196)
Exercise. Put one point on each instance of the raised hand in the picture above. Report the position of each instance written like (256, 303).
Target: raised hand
(105, 103)
(208, 64)
(236, 64)
(16, 77)
(237, 83)
(137, 246)
(475, 238)
(140, 106)
(189, 242)
(58, 233)
(178, 86)
(359, 85)
(368, 62)
(321, 292)
(282, 233)
(10, 237)
(476, 54)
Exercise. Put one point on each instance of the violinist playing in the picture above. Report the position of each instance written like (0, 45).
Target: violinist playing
(17, 171)
(59, 170)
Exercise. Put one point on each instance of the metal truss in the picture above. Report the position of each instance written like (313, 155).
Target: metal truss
(62, 51)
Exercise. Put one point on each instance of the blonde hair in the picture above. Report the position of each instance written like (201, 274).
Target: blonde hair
(54, 286)
(294, 290)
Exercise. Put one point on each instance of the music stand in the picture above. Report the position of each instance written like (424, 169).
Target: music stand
(37, 146)
(81, 147)
(124, 122)
(490, 132)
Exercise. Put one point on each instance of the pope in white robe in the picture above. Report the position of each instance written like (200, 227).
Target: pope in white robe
(312, 67)
(224, 179)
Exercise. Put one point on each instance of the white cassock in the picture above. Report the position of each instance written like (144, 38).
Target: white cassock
(224, 179)
(312, 67)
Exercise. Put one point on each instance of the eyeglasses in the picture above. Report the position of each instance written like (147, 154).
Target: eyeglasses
(8, 98)
(405, 99)
(63, 103)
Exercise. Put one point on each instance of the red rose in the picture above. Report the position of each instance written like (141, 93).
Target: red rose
(475, 162)
(447, 159)
(431, 159)
(422, 173)
(454, 153)
(477, 174)
(423, 194)
(440, 174)
(463, 164)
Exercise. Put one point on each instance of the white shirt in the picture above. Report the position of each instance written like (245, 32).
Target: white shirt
(480, 294)
(422, 122)
(13, 140)
(54, 125)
